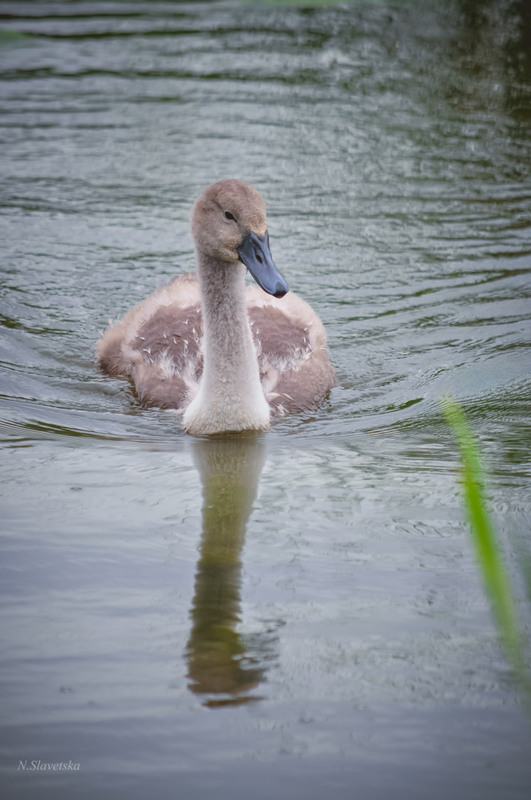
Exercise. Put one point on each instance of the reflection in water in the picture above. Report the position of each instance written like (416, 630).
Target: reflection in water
(218, 656)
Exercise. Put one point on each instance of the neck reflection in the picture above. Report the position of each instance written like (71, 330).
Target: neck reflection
(219, 663)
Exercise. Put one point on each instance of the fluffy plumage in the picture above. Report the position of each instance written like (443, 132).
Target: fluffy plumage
(225, 355)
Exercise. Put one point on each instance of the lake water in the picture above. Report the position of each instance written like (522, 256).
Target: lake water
(298, 614)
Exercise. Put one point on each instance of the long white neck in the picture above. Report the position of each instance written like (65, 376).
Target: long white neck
(230, 395)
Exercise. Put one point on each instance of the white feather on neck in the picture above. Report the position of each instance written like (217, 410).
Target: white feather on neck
(230, 395)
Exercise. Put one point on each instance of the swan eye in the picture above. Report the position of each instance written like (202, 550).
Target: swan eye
(228, 215)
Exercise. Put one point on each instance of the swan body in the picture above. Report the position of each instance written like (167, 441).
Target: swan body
(224, 354)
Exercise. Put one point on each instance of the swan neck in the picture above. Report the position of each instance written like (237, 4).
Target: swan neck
(226, 326)
(230, 395)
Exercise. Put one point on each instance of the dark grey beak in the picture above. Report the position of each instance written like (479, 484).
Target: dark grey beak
(254, 251)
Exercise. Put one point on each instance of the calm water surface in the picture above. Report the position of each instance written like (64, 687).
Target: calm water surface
(298, 614)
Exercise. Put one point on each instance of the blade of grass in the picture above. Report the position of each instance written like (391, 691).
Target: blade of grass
(484, 537)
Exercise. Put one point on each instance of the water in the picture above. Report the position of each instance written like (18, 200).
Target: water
(298, 614)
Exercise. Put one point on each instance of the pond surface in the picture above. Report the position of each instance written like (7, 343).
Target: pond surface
(298, 614)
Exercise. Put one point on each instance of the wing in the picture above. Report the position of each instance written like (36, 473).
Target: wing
(158, 345)
(290, 341)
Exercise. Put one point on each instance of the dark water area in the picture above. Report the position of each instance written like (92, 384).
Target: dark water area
(300, 613)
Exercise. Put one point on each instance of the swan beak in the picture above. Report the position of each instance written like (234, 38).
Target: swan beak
(254, 252)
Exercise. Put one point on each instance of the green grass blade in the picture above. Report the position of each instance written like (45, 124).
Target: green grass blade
(488, 551)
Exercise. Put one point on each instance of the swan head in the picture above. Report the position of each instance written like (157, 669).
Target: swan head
(229, 225)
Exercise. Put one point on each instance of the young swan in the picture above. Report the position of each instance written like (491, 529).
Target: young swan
(224, 355)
